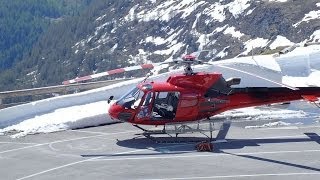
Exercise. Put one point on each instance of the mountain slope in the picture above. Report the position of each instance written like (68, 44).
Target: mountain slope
(22, 23)
(111, 34)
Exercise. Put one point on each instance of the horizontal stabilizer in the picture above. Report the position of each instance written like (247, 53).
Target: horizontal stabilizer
(310, 98)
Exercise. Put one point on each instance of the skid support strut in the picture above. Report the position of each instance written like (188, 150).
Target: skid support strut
(317, 104)
(170, 132)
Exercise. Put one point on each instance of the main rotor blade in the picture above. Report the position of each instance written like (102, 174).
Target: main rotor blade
(255, 75)
(110, 72)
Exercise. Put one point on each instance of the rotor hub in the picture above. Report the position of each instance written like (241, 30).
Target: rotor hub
(188, 60)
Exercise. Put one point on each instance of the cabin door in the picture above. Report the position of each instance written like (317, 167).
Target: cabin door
(165, 105)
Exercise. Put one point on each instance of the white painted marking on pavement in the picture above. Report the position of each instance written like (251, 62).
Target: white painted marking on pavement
(201, 155)
(97, 132)
(239, 176)
(91, 159)
(59, 167)
(270, 137)
(74, 163)
(15, 143)
(61, 141)
(273, 137)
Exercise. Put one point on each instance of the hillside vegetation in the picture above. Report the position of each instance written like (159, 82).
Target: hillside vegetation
(59, 41)
(23, 22)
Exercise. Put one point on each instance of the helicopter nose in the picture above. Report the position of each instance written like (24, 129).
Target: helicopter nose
(114, 111)
(119, 112)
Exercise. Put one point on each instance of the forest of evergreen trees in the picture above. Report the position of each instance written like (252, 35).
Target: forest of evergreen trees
(22, 23)
(59, 28)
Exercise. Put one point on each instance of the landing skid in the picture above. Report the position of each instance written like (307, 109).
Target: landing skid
(171, 135)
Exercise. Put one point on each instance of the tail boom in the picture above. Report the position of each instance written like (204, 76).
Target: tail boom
(246, 97)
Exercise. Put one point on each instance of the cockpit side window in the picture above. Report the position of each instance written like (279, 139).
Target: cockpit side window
(165, 105)
(162, 95)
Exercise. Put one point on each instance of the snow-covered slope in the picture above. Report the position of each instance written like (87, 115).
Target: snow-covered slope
(228, 27)
(116, 33)
(90, 108)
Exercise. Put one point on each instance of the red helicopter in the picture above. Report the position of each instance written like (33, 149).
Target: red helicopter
(194, 96)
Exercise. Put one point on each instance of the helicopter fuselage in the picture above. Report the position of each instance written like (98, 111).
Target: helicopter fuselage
(195, 97)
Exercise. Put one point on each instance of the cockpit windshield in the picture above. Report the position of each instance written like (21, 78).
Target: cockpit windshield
(131, 99)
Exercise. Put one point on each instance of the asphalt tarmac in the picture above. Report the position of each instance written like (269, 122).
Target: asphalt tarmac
(115, 152)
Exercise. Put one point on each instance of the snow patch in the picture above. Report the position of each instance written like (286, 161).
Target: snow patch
(303, 51)
(194, 25)
(280, 41)
(168, 10)
(253, 113)
(32, 73)
(203, 41)
(223, 53)
(233, 32)
(188, 9)
(216, 12)
(307, 17)
(315, 37)
(278, 1)
(170, 50)
(254, 43)
(114, 47)
(101, 17)
(63, 119)
(250, 11)
(131, 14)
(155, 40)
(237, 7)
(272, 124)
(312, 80)
(219, 29)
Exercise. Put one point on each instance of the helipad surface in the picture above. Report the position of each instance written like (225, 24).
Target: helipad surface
(114, 152)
